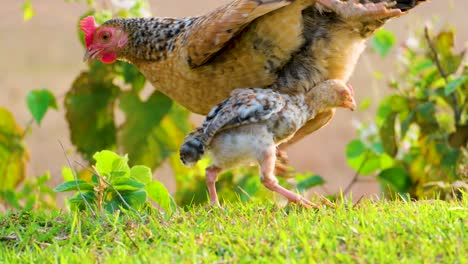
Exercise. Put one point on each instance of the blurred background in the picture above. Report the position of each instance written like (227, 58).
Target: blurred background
(45, 53)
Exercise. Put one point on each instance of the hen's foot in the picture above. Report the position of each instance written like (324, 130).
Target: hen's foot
(352, 9)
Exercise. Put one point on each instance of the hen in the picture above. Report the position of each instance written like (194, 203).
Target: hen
(278, 44)
(249, 125)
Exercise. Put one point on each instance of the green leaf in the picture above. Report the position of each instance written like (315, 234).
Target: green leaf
(159, 194)
(387, 135)
(90, 112)
(14, 156)
(454, 84)
(365, 104)
(397, 178)
(142, 136)
(28, 11)
(135, 199)
(39, 101)
(355, 149)
(77, 203)
(73, 186)
(67, 174)
(12, 199)
(133, 76)
(309, 183)
(108, 162)
(382, 42)
(127, 184)
(362, 159)
(141, 173)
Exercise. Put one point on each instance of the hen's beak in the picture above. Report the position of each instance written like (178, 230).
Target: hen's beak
(90, 54)
(87, 54)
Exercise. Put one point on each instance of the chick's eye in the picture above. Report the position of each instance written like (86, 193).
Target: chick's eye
(105, 36)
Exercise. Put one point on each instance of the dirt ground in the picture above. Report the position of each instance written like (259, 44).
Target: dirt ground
(45, 53)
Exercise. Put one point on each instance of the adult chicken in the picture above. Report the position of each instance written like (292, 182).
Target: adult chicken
(278, 44)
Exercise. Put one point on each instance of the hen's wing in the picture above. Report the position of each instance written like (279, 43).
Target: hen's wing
(245, 106)
(211, 32)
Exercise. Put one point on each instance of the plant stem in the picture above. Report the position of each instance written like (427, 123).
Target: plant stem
(356, 175)
(76, 181)
(456, 107)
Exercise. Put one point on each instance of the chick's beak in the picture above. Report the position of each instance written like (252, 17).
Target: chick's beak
(350, 104)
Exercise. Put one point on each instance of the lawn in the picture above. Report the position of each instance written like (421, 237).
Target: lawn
(371, 232)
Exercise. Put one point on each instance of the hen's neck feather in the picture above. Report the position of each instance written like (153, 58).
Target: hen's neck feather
(150, 39)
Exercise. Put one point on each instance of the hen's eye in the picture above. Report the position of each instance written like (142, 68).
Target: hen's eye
(105, 36)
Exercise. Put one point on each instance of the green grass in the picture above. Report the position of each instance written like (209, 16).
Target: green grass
(383, 232)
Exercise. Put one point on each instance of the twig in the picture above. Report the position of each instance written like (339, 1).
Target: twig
(76, 180)
(444, 75)
(112, 186)
(358, 202)
(244, 192)
(356, 175)
(131, 239)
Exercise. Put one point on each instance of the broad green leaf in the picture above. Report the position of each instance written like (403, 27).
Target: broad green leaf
(426, 117)
(67, 174)
(454, 84)
(398, 103)
(135, 199)
(77, 203)
(73, 186)
(11, 198)
(14, 156)
(444, 43)
(108, 162)
(365, 104)
(39, 101)
(141, 173)
(132, 76)
(387, 135)
(127, 184)
(382, 42)
(90, 113)
(421, 65)
(355, 149)
(397, 178)
(309, 183)
(159, 194)
(142, 136)
(28, 11)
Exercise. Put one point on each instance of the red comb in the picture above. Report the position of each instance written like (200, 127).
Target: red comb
(88, 26)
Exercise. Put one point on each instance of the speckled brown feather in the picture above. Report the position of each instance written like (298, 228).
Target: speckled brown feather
(211, 32)
(281, 115)
(291, 48)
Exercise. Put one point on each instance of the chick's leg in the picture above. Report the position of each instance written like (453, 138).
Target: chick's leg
(267, 166)
(211, 178)
(353, 9)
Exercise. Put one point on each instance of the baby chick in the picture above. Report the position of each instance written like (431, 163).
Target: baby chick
(249, 125)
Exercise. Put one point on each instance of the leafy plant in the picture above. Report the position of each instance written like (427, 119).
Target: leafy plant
(419, 137)
(33, 194)
(14, 156)
(113, 185)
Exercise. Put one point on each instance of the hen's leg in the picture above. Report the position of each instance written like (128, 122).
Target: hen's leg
(211, 178)
(352, 9)
(267, 166)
